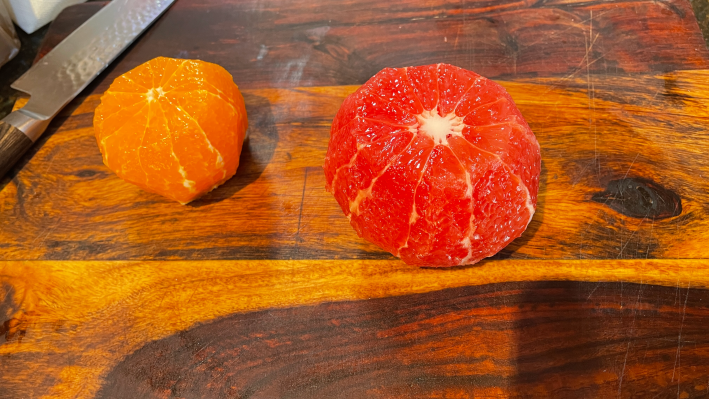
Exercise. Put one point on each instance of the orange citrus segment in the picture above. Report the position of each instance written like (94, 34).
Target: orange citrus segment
(172, 127)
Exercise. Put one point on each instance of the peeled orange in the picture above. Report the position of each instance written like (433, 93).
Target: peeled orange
(172, 127)
(434, 164)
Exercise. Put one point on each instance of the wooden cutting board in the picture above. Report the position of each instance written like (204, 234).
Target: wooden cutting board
(261, 289)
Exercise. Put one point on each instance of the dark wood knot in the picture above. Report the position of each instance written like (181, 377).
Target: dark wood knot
(640, 198)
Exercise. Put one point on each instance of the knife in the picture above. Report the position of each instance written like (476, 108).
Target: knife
(66, 70)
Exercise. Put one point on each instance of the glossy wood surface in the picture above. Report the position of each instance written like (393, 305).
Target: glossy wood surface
(261, 289)
(490, 328)
(645, 131)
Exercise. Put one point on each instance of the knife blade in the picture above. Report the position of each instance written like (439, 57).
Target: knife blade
(66, 70)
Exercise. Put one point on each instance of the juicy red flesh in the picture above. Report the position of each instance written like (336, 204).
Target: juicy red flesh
(434, 164)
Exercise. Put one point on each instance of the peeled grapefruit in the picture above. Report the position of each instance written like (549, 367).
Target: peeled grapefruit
(172, 127)
(435, 164)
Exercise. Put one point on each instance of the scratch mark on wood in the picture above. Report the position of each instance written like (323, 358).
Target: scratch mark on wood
(622, 373)
(678, 357)
(622, 248)
(592, 291)
(631, 166)
(300, 215)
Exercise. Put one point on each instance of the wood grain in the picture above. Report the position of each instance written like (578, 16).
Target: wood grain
(616, 93)
(560, 340)
(648, 127)
(70, 323)
(281, 43)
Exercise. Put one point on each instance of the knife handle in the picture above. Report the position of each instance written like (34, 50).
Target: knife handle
(18, 131)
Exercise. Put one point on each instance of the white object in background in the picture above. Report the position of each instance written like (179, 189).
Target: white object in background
(31, 15)
(9, 44)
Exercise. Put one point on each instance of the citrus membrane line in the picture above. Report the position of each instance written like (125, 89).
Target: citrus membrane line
(508, 169)
(188, 184)
(347, 165)
(134, 93)
(512, 123)
(220, 98)
(520, 182)
(147, 155)
(393, 105)
(411, 87)
(166, 81)
(116, 114)
(435, 107)
(359, 148)
(125, 122)
(361, 118)
(220, 159)
(368, 191)
(477, 107)
(479, 78)
(393, 159)
(383, 121)
(180, 87)
(221, 94)
(134, 82)
(471, 227)
(413, 206)
(468, 183)
(142, 141)
(413, 91)
(496, 156)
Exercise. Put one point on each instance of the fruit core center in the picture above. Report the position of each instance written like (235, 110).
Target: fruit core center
(440, 128)
(154, 94)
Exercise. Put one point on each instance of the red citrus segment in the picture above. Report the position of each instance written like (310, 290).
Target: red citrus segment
(424, 80)
(347, 112)
(365, 104)
(383, 214)
(393, 86)
(369, 161)
(501, 213)
(483, 91)
(453, 83)
(441, 224)
(357, 133)
(374, 107)
(351, 180)
(380, 153)
(443, 201)
(498, 111)
(502, 206)
(368, 130)
(346, 143)
(512, 144)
